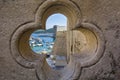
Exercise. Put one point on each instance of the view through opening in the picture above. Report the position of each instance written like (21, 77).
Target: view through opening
(52, 41)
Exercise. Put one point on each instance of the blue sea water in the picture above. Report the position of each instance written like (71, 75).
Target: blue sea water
(47, 41)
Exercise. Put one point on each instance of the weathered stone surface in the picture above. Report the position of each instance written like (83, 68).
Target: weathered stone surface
(60, 46)
(103, 13)
(12, 14)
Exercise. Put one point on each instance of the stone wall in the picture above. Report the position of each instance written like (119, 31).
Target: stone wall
(105, 14)
(60, 45)
(13, 13)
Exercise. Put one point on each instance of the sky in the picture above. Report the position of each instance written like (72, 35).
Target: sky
(56, 19)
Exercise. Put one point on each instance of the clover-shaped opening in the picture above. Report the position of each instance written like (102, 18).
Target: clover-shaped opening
(76, 53)
(84, 45)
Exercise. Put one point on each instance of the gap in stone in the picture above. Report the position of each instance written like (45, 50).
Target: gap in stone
(52, 41)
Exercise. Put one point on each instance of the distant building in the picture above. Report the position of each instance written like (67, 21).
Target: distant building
(60, 28)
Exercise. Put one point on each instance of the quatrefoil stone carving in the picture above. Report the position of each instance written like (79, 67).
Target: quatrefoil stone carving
(86, 40)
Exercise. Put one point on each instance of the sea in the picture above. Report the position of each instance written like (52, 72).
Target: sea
(42, 42)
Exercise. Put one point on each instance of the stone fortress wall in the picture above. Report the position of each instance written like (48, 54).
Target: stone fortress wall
(104, 14)
(60, 45)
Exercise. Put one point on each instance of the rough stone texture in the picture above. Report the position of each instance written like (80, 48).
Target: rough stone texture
(12, 14)
(60, 46)
(103, 13)
(106, 15)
